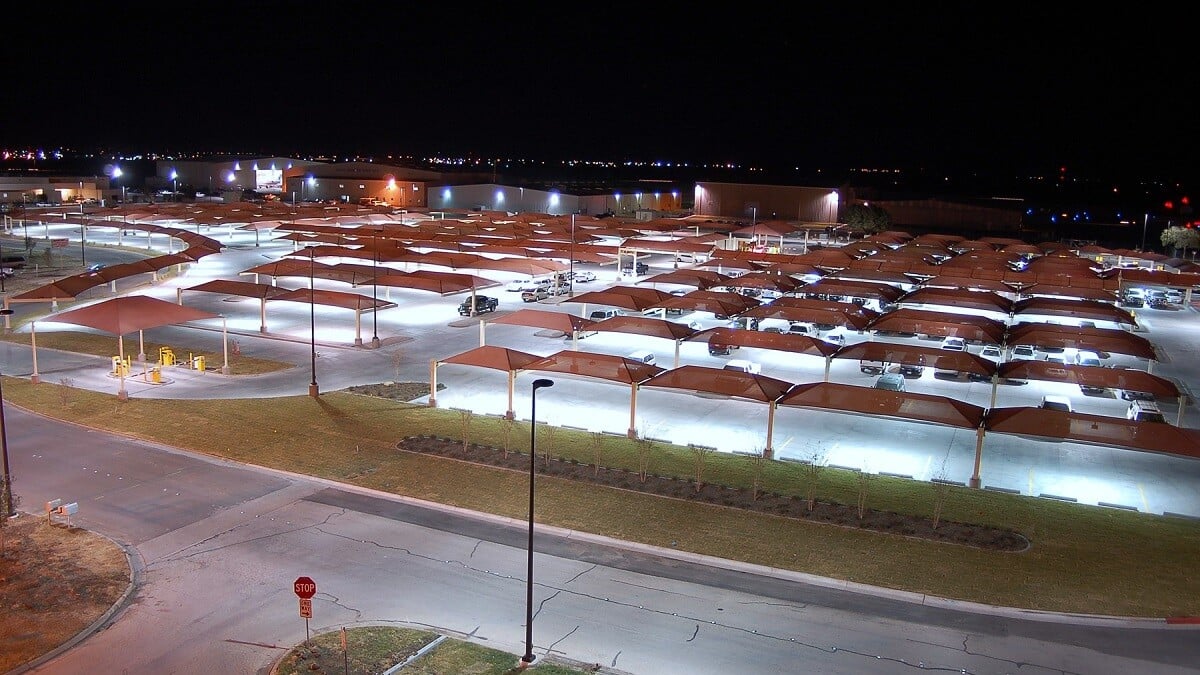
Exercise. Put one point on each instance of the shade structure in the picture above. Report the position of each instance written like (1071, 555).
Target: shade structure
(764, 280)
(601, 366)
(130, 313)
(288, 267)
(517, 265)
(495, 358)
(859, 400)
(644, 325)
(444, 283)
(355, 301)
(63, 289)
(723, 382)
(689, 277)
(244, 289)
(537, 318)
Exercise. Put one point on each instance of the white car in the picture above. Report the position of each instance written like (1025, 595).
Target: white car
(583, 277)
(954, 344)
(1024, 352)
(990, 352)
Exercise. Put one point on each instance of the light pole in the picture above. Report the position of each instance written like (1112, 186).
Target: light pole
(82, 234)
(374, 293)
(1145, 222)
(528, 657)
(313, 390)
(6, 482)
(174, 185)
(571, 277)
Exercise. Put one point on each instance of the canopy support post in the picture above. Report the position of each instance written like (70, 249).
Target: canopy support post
(768, 451)
(35, 378)
(632, 431)
(433, 366)
(512, 383)
(976, 481)
(224, 345)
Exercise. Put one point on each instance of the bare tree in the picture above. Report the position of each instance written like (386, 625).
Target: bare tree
(758, 461)
(644, 447)
(864, 480)
(941, 490)
(699, 458)
(465, 417)
(548, 443)
(66, 391)
(506, 427)
(397, 359)
(597, 451)
(812, 476)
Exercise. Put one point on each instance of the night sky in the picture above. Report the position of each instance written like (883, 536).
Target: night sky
(776, 84)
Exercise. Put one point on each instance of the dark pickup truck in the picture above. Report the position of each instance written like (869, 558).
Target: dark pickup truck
(483, 303)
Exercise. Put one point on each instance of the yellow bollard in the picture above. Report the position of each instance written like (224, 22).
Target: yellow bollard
(156, 375)
(166, 357)
(198, 362)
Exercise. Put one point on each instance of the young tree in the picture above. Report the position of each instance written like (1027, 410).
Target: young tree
(812, 477)
(864, 479)
(465, 417)
(941, 490)
(758, 461)
(506, 428)
(644, 447)
(548, 443)
(699, 458)
(597, 442)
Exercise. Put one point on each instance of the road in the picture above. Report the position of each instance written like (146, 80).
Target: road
(217, 546)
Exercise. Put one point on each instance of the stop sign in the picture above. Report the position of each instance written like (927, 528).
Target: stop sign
(305, 587)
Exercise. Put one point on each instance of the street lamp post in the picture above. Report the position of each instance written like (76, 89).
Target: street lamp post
(313, 390)
(82, 234)
(374, 293)
(541, 383)
(6, 483)
(571, 277)
(1145, 222)
(174, 185)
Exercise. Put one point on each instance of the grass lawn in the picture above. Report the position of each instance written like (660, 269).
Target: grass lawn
(1082, 559)
(374, 649)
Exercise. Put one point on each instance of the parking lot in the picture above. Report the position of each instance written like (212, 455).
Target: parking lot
(426, 327)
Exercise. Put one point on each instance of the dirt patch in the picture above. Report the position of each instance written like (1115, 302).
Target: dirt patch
(790, 506)
(54, 582)
(396, 391)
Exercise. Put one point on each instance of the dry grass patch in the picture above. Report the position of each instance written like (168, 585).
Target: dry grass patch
(106, 346)
(54, 582)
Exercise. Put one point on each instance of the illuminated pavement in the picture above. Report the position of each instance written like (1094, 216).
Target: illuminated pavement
(425, 327)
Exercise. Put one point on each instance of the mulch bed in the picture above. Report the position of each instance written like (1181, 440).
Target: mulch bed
(989, 538)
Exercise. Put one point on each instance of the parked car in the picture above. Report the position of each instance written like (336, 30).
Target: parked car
(954, 344)
(911, 370)
(1059, 403)
(890, 382)
(872, 367)
(628, 270)
(602, 314)
(1131, 395)
(743, 366)
(1026, 352)
(535, 294)
(584, 277)
(991, 352)
(720, 349)
(483, 303)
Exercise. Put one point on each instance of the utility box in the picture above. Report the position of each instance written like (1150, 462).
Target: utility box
(120, 367)
(166, 357)
(198, 362)
(156, 375)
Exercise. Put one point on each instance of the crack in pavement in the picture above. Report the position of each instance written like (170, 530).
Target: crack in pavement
(580, 574)
(179, 554)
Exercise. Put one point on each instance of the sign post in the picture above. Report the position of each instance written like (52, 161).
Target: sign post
(305, 589)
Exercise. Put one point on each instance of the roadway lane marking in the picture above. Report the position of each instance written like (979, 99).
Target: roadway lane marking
(1145, 504)
(1031, 482)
